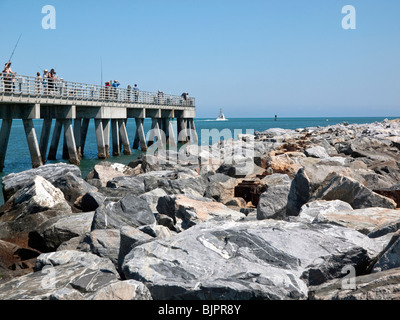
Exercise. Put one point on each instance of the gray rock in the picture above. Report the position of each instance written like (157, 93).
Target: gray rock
(90, 201)
(299, 193)
(189, 210)
(366, 220)
(273, 202)
(64, 275)
(51, 234)
(134, 184)
(221, 187)
(151, 197)
(37, 196)
(130, 238)
(276, 179)
(338, 187)
(51, 172)
(85, 259)
(123, 290)
(156, 231)
(383, 285)
(129, 211)
(106, 244)
(317, 152)
(311, 210)
(106, 171)
(150, 163)
(266, 259)
(389, 258)
(72, 186)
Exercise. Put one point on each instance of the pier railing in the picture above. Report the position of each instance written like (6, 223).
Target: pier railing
(20, 85)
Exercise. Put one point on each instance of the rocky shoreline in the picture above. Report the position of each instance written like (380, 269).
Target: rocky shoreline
(282, 214)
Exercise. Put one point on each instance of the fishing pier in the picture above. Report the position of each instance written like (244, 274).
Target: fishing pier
(72, 105)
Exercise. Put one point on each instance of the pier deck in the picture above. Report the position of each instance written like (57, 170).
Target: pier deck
(72, 105)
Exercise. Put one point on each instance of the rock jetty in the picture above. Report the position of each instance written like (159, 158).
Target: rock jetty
(311, 213)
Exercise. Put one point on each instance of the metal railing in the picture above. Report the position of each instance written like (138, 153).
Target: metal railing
(19, 85)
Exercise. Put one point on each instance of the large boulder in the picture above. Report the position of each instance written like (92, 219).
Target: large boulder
(266, 259)
(73, 187)
(221, 187)
(272, 203)
(337, 187)
(106, 171)
(52, 233)
(37, 196)
(364, 220)
(312, 209)
(299, 193)
(123, 290)
(105, 243)
(130, 238)
(129, 211)
(134, 184)
(189, 210)
(90, 201)
(51, 172)
(63, 275)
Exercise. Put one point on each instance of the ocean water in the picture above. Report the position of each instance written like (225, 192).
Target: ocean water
(18, 158)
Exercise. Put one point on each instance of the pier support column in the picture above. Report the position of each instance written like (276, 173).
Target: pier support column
(84, 131)
(70, 142)
(33, 144)
(141, 137)
(44, 138)
(182, 130)
(124, 137)
(55, 140)
(171, 135)
(192, 131)
(100, 139)
(4, 138)
(164, 128)
(65, 154)
(106, 128)
(115, 137)
(77, 136)
(154, 123)
(160, 137)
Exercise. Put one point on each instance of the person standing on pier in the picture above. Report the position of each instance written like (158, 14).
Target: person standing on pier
(128, 93)
(8, 77)
(115, 86)
(45, 78)
(51, 80)
(135, 93)
(38, 82)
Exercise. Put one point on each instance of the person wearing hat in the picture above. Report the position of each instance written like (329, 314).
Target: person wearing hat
(115, 86)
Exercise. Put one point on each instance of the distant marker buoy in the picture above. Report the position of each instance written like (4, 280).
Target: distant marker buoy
(327, 120)
(276, 118)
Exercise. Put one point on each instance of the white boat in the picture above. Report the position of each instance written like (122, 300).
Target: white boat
(221, 116)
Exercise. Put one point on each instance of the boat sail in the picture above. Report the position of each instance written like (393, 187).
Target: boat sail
(221, 116)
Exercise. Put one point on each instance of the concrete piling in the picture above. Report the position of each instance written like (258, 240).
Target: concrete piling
(4, 138)
(33, 144)
(55, 140)
(70, 142)
(44, 137)
(100, 139)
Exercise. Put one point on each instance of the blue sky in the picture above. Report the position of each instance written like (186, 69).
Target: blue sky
(253, 58)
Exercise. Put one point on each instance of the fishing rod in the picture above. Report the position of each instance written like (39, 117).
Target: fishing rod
(9, 60)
